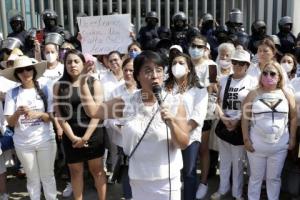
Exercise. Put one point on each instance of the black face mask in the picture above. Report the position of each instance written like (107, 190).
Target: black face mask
(16, 26)
(261, 31)
(207, 26)
(179, 25)
(50, 23)
(151, 22)
(286, 28)
(297, 54)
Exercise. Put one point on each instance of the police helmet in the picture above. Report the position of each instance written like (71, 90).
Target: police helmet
(207, 17)
(285, 20)
(236, 16)
(151, 14)
(49, 14)
(16, 18)
(179, 16)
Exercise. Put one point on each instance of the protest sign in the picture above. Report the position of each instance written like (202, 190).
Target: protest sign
(102, 34)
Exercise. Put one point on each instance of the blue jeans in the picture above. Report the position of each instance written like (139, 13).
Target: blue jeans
(189, 172)
(6, 140)
(127, 194)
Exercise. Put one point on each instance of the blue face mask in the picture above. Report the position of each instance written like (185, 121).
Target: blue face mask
(133, 54)
(196, 53)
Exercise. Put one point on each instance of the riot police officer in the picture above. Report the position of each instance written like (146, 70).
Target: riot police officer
(287, 39)
(235, 22)
(207, 25)
(258, 30)
(17, 24)
(180, 31)
(50, 21)
(220, 35)
(149, 32)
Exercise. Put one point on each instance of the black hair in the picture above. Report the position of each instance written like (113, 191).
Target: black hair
(37, 88)
(192, 78)
(114, 52)
(65, 85)
(126, 61)
(141, 59)
(134, 43)
(200, 37)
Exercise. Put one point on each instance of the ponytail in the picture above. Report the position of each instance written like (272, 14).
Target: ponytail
(42, 95)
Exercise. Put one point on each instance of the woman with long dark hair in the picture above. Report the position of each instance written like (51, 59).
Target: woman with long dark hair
(27, 109)
(83, 138)
(182, 79)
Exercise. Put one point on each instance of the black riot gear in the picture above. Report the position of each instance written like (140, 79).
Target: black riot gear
(287, 38)
(17, 23)
(258, 29)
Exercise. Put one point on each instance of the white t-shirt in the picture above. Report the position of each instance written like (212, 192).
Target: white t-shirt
(202, 72)
(109, 83)
(150, 160)
(237, 92)
(29, 132)
(101, 70)
(195, 101)
(111, 124)
(4, 87)
(51, 76)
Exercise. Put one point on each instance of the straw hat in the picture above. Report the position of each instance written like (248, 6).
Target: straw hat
(21, 62)
(13, 56)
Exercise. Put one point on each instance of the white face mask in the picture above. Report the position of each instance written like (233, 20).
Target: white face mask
(287, 67)
(224, 64)
(51, 57)
(196, 53)
(178, 70)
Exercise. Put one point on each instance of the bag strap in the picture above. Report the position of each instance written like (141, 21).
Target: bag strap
(226, 91)
(146, 129)
(14, 93)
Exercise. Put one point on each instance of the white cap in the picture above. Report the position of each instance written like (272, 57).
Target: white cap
(178, 47)
(241, 55)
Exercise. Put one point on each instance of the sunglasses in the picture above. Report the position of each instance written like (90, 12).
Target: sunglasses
(236, 62)
(266, 73)
(21, 70)
(197, 46)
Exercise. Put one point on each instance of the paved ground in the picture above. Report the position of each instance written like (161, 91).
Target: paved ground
(17, 189)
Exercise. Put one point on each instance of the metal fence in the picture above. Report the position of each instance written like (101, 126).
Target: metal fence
(269, 10)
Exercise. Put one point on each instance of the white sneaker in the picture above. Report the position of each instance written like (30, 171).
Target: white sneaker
(201, 191)
(216, 196)
(68, 190)
(4, 196)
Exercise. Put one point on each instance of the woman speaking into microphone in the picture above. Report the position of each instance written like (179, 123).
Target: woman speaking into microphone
(153, 134)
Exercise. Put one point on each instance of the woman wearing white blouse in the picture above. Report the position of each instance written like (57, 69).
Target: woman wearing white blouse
(156, 161)
(182, 79)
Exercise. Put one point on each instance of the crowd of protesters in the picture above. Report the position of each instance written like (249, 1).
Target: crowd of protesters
(144, 118)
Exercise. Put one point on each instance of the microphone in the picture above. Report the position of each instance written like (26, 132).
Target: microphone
(156, 89)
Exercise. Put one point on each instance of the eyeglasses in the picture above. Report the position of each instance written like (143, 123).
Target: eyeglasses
(239, 63)
(197, 46)
(21, 70)
(266, 73)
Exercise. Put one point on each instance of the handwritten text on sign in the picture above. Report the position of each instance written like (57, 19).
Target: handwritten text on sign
(102, 34)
